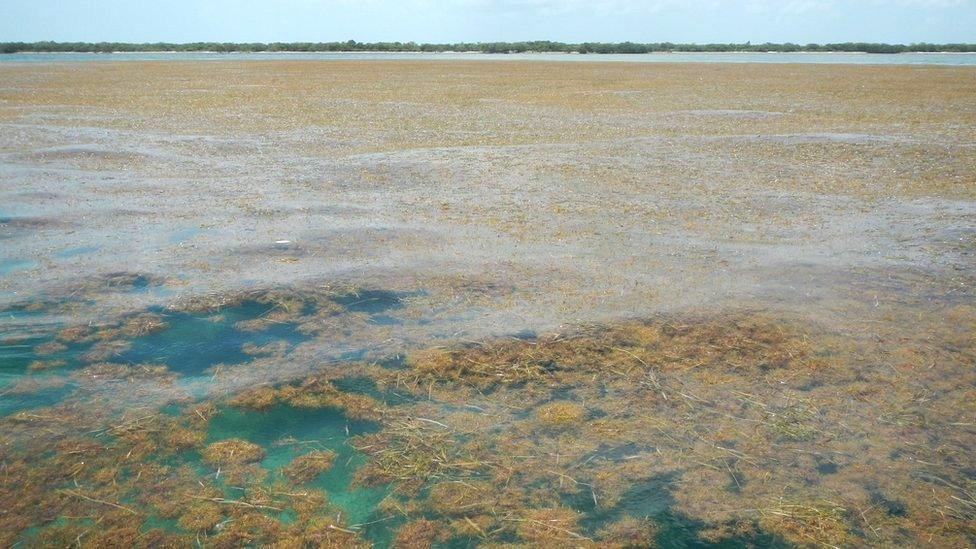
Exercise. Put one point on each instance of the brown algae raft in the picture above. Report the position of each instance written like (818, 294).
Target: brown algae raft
(740, 428)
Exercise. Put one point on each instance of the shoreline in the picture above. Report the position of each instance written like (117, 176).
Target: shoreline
(949, 59)
(476, 52)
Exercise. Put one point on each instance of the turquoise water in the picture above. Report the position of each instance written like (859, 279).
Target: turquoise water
(17, 354)
(8, 266)
(967, 59)
(286, 433)
(188, 344)
(192, 343)
(11, 403)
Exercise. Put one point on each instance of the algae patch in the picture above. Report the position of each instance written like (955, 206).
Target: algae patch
(735, 429)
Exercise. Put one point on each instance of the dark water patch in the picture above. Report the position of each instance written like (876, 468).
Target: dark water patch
(619, 453)
(327, 427)
(356, 384)
(25, 226)
(31, 357)
(171, 410)
(30, 196)
(192, 343)
(525, 335)
(396, 362)
(19, 356)
(827, 468)
(677, 531)
(356, 355)
(647, 498)
(652, 499)
(12, 222)
(128, 281)
(76, 153)
(892, 507)
(13, 402)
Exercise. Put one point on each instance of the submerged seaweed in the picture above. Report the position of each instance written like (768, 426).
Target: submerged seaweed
(740, 429)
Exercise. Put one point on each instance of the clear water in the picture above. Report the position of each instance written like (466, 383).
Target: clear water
(319, 429)
(8, 266)
(193, 343)
(967, 59)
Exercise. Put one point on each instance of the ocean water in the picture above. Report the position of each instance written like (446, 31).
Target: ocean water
(949, 59)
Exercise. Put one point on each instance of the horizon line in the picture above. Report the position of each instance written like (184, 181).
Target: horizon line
(526, 46)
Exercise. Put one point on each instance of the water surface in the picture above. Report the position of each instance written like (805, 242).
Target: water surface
(952, 59)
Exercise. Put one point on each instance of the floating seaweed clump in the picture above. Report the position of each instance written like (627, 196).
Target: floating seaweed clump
(418, 534)
(410, 452)
(744, 412)
(728, 344)
(41, 365)
(550, 527)
(460, 498)
(201, 516)
(279, 305)
(232, 452)
(313, 393)
(142, 324)
(108, 371)
(812, 523)
(560, 414)
(50, 348)
(306, 467)
(629, 532)
(184, 439)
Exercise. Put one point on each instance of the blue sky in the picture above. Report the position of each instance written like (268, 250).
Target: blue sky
(490, 20)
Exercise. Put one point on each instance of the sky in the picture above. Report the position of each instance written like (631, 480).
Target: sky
(800, 21)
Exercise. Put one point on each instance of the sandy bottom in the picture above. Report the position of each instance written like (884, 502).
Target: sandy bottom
(459, 304)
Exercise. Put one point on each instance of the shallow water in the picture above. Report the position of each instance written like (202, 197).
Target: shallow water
(286, 433)
(192, 344)
(412, 443)
(602, 305)
(8, 266)
(949, 59)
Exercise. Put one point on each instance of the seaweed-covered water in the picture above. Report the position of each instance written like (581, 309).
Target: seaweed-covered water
(299, 303)
(738, 429)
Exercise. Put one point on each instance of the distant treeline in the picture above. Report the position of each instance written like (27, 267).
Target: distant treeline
(483, 47)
